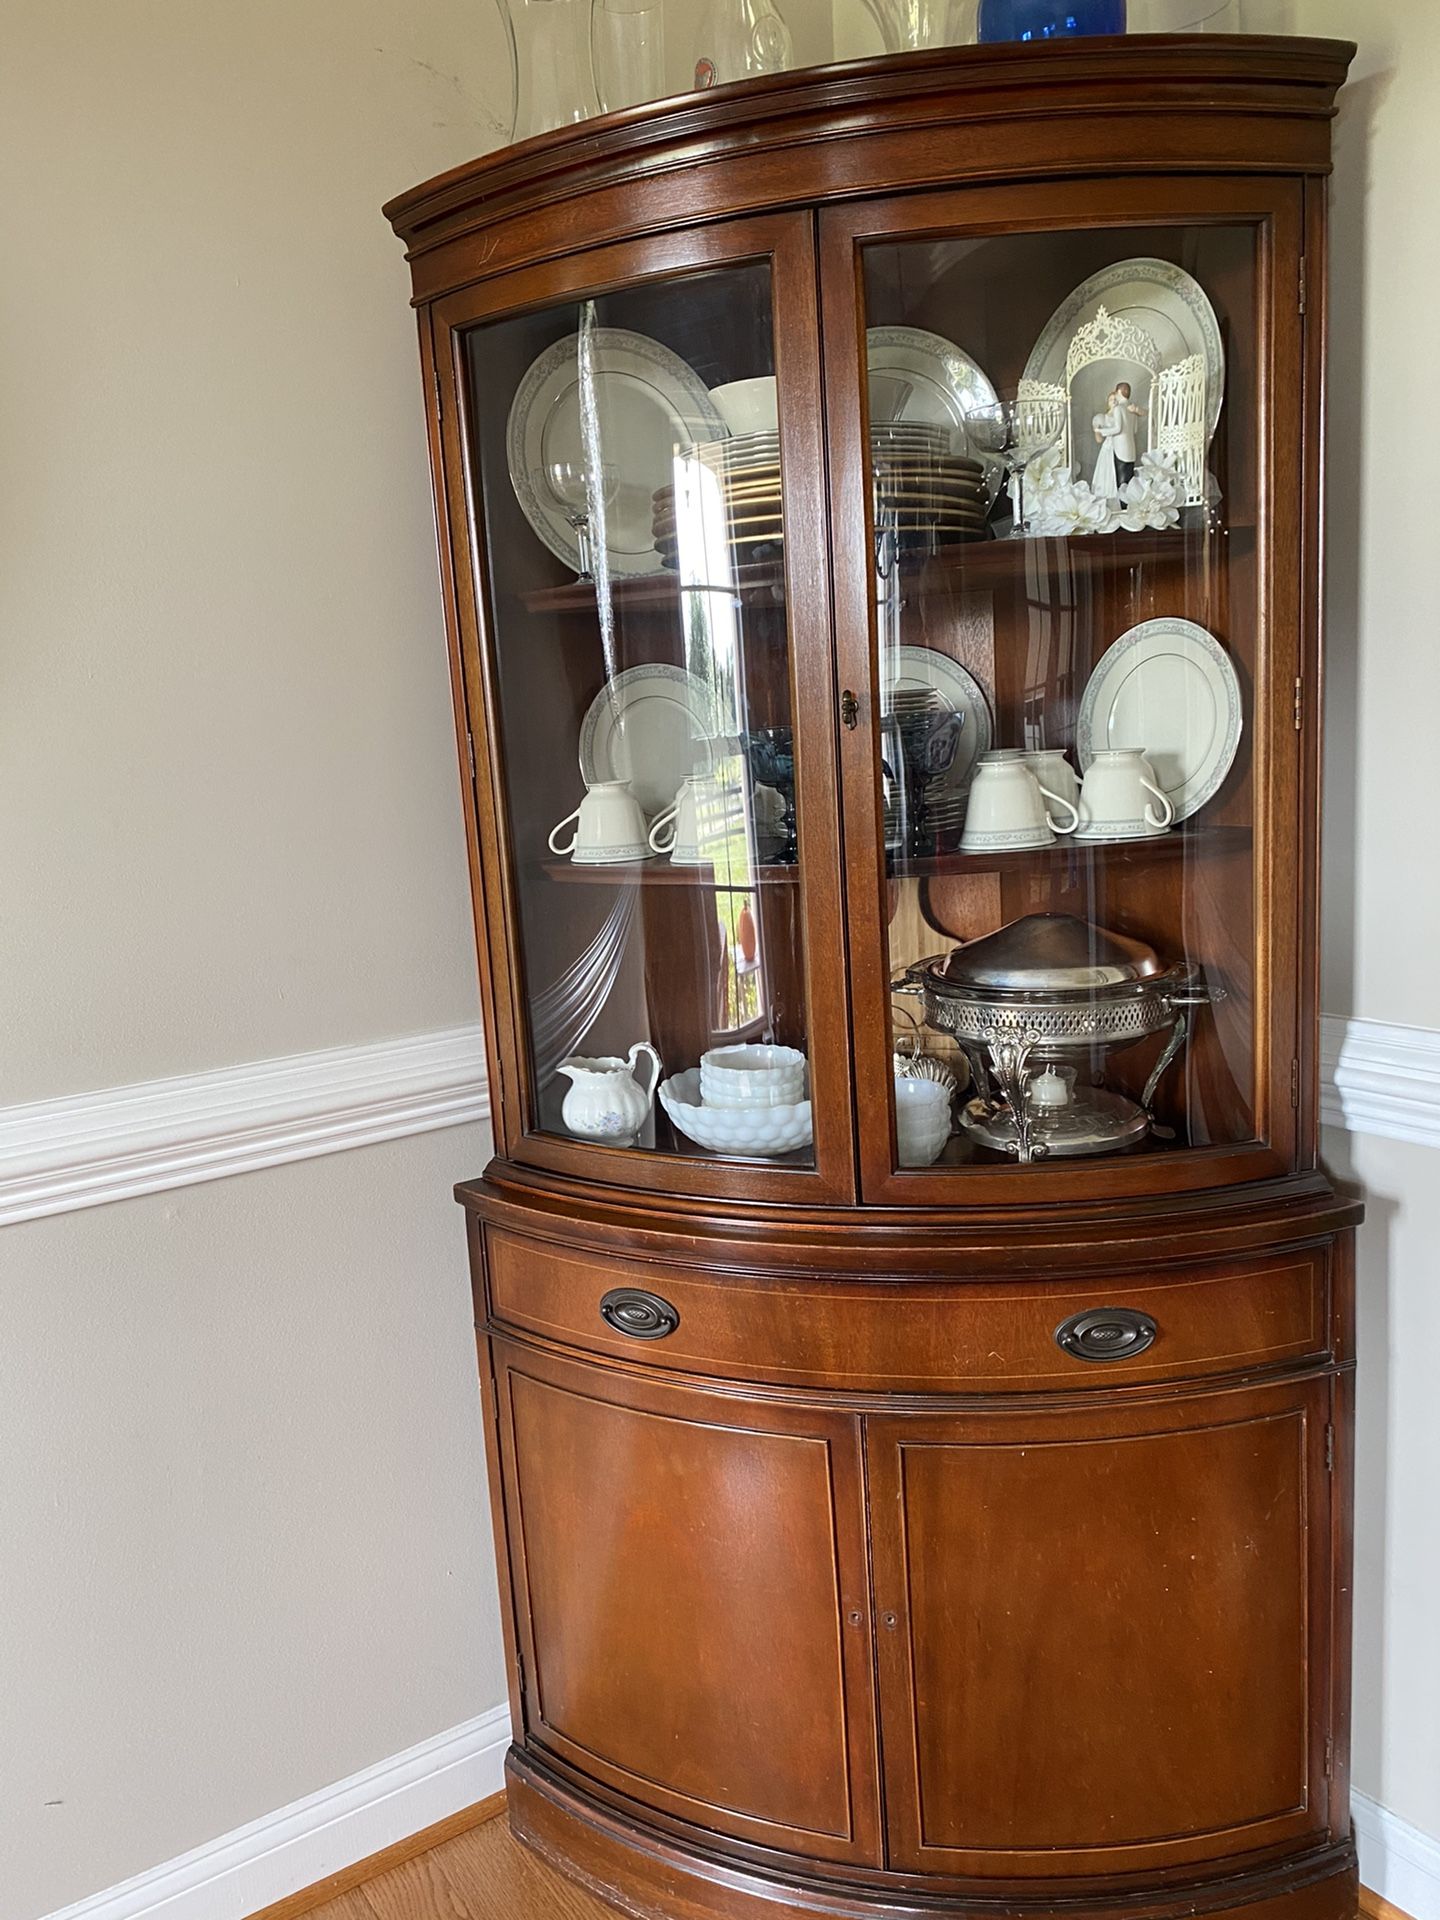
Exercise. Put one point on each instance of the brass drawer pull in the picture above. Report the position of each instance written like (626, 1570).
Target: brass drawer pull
(644, 1316)
(1106, 1333)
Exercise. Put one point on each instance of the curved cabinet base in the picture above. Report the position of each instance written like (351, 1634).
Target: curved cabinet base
(651, 1878)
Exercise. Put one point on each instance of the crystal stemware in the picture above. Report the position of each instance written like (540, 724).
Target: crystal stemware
(1019, 431)
(578, 486)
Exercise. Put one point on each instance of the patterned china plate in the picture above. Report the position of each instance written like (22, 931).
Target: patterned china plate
(1170, 687)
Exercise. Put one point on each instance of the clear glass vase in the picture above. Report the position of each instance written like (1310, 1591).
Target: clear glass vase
(738, 39)
(554, 79)
(627, 50)
(906, 26)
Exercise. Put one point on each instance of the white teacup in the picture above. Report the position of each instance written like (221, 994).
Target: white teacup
(676, 831)
(1008, 810)
(1120, 798)
(610, 828)
(748, 406)
(1055, 773)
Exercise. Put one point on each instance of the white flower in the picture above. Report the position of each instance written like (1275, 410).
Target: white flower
(1059, 506)
(1152, 497)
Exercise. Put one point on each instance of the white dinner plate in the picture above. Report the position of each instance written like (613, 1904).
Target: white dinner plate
(916, 669)
(1166, 301)
(1170, 687)
(919, 378)
(648, 402)
(652, 726)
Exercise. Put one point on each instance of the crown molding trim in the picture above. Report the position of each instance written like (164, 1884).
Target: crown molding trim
(90, 1148)
(87, 1149)
(1381, 1079)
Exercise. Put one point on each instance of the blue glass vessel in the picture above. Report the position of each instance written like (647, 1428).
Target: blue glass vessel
(1049, 19)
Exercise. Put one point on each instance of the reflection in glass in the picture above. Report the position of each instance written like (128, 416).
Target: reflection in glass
(645, 724)
(1063, 765)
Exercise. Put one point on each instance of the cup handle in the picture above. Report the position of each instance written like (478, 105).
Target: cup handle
(1167, 815)
(644, 1046)
(569, 846)
(1073, 812)
(659, 840)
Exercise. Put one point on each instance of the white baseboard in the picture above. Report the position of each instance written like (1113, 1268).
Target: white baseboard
(90, 1148)
(1397, 1861)
(250, 1869)
(273, 1857)
(1381, 1079)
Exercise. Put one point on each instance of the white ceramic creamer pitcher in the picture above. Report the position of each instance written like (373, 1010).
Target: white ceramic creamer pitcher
(605, 1101)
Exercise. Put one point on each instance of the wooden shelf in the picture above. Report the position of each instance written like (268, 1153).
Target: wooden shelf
(1187, 844)
(657, 592)
(980, 562)
(660, 873)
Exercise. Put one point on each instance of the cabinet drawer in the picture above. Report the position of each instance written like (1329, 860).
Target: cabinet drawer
(924, 1336)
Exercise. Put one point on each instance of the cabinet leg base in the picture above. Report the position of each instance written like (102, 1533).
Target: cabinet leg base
(649, 1877)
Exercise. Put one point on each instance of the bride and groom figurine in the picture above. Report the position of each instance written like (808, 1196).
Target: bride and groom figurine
(1115, 435)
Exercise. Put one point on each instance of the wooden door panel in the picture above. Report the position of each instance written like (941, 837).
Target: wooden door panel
(1106, 1628)
(693, 1577)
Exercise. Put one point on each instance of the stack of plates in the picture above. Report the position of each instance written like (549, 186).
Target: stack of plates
(924, 492)
(732, 492)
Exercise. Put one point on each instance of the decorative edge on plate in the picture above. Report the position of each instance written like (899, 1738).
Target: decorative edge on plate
(1235, 721)
(561, 351)
(1163, 273)
(922, 340)
(707, 715)
(985, 723)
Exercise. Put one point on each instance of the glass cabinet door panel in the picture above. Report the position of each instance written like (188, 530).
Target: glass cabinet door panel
(629, 474)
(1065, 473)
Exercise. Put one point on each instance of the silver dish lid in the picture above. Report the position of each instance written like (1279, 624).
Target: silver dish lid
(1050, 952)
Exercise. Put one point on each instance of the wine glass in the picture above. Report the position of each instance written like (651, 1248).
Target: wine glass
(1019, 431)
(577, 485)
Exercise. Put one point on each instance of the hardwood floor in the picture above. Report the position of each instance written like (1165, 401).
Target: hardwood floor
(484, 1874)
(480, 1875)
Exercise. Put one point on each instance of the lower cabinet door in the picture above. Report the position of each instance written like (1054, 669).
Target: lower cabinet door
(691, 1584)
(1103, 1635)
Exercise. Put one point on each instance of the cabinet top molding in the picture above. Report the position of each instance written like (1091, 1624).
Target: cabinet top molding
(1192, 102)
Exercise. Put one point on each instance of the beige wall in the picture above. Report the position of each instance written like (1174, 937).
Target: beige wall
(1382, 873)
(223, 704)
(246, 1553)
(245, 1546)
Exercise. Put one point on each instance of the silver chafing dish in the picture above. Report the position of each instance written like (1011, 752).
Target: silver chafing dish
(1033, 1003)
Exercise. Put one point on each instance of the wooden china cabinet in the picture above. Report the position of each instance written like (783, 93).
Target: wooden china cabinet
(888, 1528)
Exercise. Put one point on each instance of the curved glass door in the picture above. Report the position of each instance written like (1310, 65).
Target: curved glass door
(632, 484)
(1074, 580)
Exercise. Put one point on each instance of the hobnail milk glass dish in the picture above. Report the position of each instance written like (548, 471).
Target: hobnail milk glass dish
(749, 1133)
(922, 1120)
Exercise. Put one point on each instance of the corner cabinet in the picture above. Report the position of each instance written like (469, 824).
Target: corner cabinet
(879, 512)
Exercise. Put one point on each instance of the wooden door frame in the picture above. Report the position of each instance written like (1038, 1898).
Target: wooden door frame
(1287, 420)
(786, 243)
